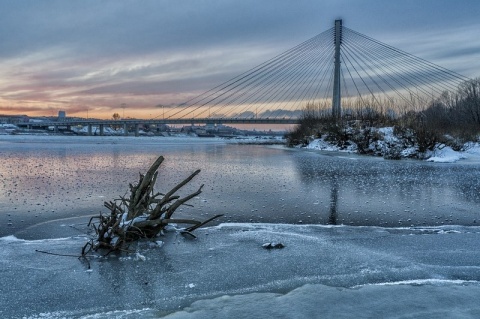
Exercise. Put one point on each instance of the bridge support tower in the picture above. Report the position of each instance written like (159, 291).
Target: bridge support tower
(336, 99)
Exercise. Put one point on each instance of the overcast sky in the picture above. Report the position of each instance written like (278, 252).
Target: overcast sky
(97, 55)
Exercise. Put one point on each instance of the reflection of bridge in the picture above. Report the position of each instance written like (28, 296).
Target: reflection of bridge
(338, 72)
(137, 123)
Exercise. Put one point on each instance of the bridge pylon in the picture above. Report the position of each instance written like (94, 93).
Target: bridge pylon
(336, 98)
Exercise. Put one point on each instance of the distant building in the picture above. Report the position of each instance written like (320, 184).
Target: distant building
(61, 115)
(13, 119)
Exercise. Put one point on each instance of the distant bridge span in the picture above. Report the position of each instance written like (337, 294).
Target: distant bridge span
(136, 123)
(179, 121)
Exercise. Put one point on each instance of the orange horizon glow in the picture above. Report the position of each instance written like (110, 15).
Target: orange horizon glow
(138, 111)
(105, 113)
(86, 113)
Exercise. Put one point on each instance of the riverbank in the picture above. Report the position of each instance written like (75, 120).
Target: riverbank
(386, 144)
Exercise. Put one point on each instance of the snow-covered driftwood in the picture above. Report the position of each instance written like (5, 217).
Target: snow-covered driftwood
(144, 214)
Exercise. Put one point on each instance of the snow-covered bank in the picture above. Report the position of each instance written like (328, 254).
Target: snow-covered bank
(388, 145)
(374, 271)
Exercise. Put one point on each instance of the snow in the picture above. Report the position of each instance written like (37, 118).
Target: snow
(319, 301)
(441, 153)
(8, 126)
(388, 133)
(472, 149)
(127, 223)
(323, 271)
(10, 239)
(320, 144)
(95, 129)
(445, 154)
(140, 257)
(409, 152)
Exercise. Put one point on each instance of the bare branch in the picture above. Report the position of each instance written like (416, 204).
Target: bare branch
(115, 230)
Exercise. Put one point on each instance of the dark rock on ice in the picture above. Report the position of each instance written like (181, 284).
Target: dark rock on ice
(273, 245)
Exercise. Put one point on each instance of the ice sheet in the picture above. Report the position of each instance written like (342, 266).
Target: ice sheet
(337, 270)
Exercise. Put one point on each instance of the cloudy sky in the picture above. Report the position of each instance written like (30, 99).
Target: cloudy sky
(95, 56)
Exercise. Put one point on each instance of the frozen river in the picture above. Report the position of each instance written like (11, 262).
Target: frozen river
(363, 237)
(48, 178)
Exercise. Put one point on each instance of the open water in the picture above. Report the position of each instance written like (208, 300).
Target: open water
(52, 178)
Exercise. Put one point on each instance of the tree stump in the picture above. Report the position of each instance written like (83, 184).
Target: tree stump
(144, 214)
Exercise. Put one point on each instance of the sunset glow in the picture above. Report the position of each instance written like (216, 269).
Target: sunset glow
(94, 59)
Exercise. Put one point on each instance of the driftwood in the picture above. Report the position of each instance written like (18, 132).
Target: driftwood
(144, 214)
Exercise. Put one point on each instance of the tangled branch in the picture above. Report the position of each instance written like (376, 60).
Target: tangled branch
(144, 214)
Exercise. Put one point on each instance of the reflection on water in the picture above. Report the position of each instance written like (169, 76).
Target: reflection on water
(332, 218)
(54, 179)
(372, 191)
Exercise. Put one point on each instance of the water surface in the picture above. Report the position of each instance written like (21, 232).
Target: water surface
(51, 178)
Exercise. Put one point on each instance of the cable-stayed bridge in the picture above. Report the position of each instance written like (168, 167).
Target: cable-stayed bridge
(337, 67)
(339, 72)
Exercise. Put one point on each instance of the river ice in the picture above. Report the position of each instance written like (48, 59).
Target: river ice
(323, 271)
(397, 251)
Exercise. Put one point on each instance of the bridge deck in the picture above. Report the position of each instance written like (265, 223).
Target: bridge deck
(71, 122)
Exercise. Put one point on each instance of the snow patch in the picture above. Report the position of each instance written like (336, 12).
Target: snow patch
(388, 135)
(472, 149)
(319, 301)
(139, 256)
(445, 154)
(384, 142)
(320, 144)
(11, 239)
(428, 281)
